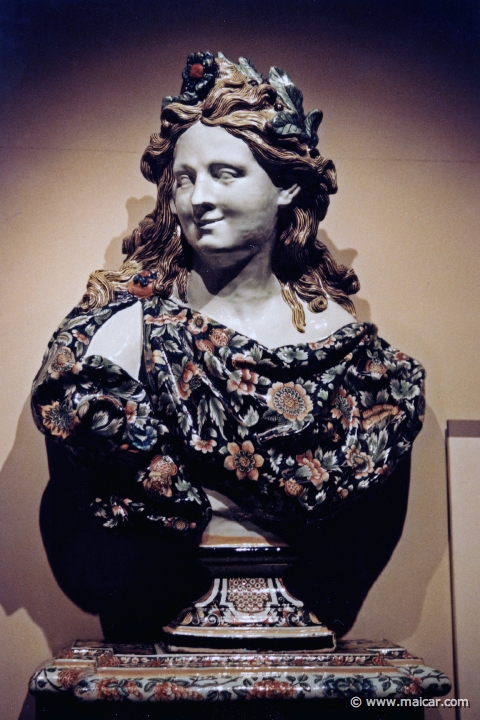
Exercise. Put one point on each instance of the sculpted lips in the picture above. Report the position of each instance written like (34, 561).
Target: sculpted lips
(206, 222)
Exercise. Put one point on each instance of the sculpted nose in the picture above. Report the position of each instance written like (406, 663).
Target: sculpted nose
(203, 197)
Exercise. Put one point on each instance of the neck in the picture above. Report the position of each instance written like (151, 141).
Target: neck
(247, 281)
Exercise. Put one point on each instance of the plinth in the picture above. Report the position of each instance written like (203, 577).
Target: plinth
(98, 679)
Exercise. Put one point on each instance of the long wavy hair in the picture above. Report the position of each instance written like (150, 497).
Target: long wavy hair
(303, 265)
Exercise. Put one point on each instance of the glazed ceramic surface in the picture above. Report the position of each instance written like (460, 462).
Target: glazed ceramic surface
(289, 434)
(145, 673)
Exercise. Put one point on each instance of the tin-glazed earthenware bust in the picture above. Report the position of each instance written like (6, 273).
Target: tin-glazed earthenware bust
(224, 355)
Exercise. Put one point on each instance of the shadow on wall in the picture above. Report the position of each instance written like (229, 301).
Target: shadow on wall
(394, 606)
(347, 257)
(137, 209)
(27, 581)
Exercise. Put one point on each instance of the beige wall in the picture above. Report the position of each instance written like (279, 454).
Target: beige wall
(404, 216)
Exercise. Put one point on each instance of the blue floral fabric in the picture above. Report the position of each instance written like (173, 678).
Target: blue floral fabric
(290, 434)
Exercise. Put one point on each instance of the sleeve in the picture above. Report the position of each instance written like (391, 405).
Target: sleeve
(107, 420)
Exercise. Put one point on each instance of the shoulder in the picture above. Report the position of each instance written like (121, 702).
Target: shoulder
(120, 338)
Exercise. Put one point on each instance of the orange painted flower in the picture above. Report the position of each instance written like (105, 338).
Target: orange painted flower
(131, 687)
(107, 689)
(159, 480)
(59, 418)
(131, 411)
(189, 380)
(203, 446)
(219, 337)
(242, 381)
(64, 362)
(289, 400)
(319, 474)
(142, 284)
(414, 688)
(377, 414)
(271, 689)
(170, 691)
(243, 460)
(198, 323)
(345, 409)
(292, 488)
(360, 461)
(80, 336)
(375, 366)
(205, 346)
(163, 465)
(67, 678)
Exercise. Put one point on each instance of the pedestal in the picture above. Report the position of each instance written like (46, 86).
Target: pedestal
(98, 679)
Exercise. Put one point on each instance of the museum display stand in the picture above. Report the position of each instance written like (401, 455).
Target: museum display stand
(248, 648)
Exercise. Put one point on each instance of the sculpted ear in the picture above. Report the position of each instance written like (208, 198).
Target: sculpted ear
(286, 195)
(171, 203)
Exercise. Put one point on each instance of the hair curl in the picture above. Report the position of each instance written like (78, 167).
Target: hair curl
(303, 265)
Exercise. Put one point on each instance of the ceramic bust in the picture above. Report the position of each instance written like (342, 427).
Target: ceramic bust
(224, 355)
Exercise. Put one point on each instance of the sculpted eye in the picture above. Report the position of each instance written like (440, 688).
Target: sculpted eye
(184, 180)
(225, 172)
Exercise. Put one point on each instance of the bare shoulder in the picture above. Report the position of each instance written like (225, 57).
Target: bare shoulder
(325, 323)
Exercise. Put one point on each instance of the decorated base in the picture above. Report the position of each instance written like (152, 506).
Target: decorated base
(245, 614)
(94, 671)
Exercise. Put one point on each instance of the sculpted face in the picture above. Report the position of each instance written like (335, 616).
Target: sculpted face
(225, 202)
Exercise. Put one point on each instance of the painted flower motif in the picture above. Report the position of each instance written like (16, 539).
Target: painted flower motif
(414, 687)
(159, 480)
(289, 400)
(107, 689)
(242, 381)
(160, 473)
(142, 284)
(377, 414)
(163, 465)
(189, 380)
(170, 691)
(360, 461)
(375, 366)
(199, 74)
(119, 508)
(157, 358)
(131, 687)
(292, 488)
(59, 418)
(319, 474)
(219, 337)
(243, 460)
(180, 524)
(241, 360)
(68, 677)
(343, 492)
(108, 659)
(323, 343)
(203, 446)
(271, 689)
(205, 346)
(330, 434)
(198, 323)
(158, 485)
(63, 362)
(131, 411)
(380, 659)
(345, 409)
(80, 336)
(166, 318)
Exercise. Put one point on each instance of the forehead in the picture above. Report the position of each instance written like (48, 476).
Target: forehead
(202, 144)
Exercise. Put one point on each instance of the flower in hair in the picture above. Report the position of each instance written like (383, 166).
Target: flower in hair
(198, 79)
